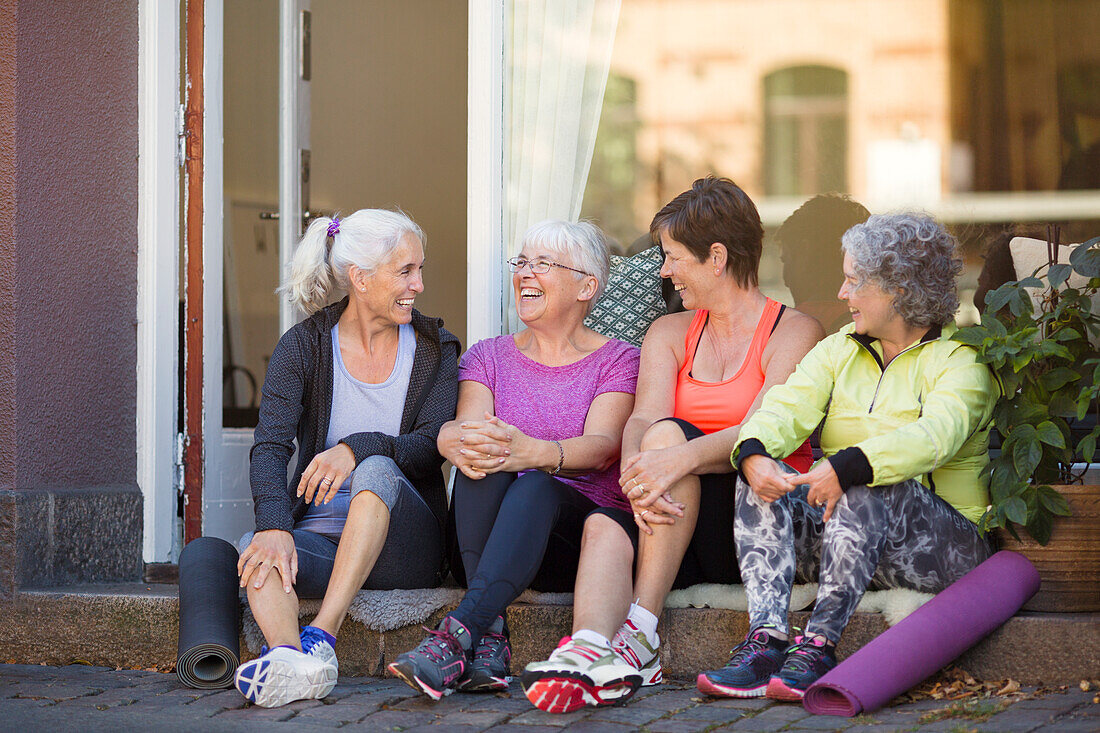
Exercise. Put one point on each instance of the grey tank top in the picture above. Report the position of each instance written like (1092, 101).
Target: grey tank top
(359, 407)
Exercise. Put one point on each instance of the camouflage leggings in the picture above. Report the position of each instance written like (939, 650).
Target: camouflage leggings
(898, 536)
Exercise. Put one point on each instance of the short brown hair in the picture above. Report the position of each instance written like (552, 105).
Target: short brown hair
(716, 210)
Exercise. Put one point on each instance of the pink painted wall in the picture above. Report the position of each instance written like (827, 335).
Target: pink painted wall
(68, 264)
(7, 238)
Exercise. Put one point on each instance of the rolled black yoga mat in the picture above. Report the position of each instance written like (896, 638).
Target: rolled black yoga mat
(210, 614)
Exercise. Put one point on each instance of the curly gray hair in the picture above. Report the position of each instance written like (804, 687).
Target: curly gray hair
(912, 257)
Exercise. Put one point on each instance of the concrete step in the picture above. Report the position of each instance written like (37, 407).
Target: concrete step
(136, 626)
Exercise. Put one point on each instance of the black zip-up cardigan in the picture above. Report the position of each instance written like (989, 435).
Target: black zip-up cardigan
(296, 402)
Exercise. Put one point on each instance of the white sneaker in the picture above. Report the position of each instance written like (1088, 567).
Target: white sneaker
(284, 675)
(631, 644)
(315, 645)
(579, 673)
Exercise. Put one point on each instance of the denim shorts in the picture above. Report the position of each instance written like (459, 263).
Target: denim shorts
(412, 556)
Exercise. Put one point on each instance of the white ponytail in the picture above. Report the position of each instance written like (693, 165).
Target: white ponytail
(309, 280)
(319, 268)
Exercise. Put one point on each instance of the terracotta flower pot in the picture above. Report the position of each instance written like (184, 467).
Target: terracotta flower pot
(1069, 565)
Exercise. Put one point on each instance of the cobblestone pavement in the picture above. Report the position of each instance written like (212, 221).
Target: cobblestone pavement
(97, 699)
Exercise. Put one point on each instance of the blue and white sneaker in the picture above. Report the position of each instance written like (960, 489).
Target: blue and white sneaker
(319, 643)
(283, 675)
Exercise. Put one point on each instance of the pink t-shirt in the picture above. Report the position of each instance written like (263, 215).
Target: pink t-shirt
(551, 403)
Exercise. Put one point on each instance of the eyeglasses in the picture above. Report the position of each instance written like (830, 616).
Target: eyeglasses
(538, 267)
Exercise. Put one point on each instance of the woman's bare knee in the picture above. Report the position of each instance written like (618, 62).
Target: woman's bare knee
(367, 505)
(663, 434)
(603, 534)
(272, 582)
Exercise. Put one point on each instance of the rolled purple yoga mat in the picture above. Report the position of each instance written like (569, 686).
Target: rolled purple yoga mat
(928, 639)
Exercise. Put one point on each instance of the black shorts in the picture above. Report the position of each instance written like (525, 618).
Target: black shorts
(710, 556)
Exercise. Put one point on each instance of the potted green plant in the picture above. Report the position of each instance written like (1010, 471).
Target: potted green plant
(1050, 370)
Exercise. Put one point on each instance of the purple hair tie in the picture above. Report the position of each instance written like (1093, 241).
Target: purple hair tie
(333, 227)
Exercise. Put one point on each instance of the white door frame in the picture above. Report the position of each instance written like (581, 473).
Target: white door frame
(159, 235)
(159, 125)
(294, 129)
(213, 227)
(485, 171)
(225, 464)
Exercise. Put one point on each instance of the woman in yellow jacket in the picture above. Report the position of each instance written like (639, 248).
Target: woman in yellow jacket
(906, 416)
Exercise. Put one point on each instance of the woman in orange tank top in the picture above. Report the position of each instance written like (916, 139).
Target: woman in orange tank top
(702, 373)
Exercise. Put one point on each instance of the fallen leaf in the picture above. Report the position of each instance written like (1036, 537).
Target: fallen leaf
(1084, 685)
(1009, 687)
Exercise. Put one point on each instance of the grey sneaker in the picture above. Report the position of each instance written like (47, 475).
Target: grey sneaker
(437, 663)
(488, 671)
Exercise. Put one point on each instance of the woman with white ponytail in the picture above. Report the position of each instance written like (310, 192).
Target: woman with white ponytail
(364, 385)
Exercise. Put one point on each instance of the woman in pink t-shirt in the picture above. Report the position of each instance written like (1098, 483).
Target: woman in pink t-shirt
(536, 441)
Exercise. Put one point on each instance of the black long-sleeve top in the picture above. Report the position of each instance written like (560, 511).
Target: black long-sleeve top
(296, 402)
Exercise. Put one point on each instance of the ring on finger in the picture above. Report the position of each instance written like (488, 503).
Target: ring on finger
(644, 512)
(326, 480)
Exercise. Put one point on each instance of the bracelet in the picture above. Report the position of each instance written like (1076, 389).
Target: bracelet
(561, 458)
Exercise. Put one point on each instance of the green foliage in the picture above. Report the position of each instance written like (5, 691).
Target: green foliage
(1050, 372)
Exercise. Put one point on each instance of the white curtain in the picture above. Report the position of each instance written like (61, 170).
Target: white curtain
(559, 52)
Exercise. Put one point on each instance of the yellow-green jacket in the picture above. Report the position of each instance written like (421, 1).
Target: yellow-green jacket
(926, 415)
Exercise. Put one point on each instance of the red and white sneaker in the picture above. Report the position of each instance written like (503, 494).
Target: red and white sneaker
(577, 674)
(631, 644)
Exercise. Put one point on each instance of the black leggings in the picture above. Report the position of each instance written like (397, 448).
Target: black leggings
(518, 531)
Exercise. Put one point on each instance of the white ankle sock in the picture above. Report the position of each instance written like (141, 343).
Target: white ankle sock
(646, 623)
(592, 637)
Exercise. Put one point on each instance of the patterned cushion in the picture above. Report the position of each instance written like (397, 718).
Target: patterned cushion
(632, 299)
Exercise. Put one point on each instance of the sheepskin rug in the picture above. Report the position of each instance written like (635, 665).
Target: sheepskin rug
(391, 609)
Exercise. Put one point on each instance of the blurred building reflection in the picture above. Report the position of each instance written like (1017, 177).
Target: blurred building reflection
(986, 113)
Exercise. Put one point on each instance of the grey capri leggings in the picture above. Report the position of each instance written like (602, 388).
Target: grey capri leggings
(412, 555)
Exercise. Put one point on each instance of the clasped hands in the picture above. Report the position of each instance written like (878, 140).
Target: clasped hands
(492, 446)
(769, 482)
(645, 479)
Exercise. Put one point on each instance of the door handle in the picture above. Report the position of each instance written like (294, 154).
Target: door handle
(307, 216)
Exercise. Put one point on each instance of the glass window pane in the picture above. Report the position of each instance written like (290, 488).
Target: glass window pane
(250, 317)
(985, 114)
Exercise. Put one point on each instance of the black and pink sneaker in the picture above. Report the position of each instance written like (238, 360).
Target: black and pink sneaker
(804, 663)
(489, 670)
(436, 665)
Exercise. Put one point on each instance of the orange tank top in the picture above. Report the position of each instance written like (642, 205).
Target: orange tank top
(714, 406)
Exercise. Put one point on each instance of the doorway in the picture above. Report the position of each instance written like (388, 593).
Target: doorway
(383, 124)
